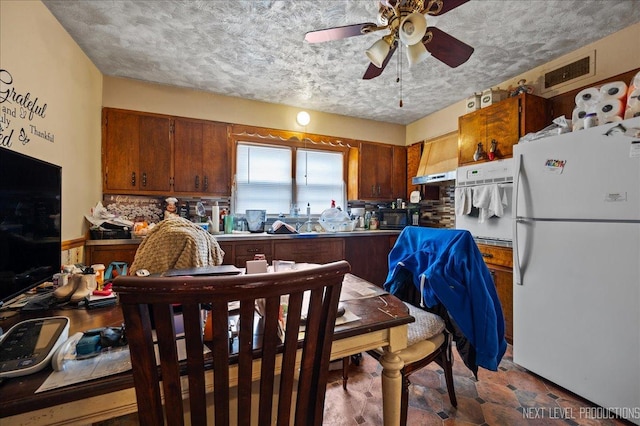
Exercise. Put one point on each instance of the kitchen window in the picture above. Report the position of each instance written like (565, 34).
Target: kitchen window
(279, 178)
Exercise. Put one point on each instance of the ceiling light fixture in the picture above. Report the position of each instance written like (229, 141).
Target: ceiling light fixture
(408, 24)
(379, 50)
(303, 118)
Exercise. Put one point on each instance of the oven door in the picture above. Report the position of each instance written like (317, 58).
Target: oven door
(493, 228)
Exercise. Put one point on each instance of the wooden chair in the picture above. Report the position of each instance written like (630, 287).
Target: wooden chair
(427, 341)
(265, 358)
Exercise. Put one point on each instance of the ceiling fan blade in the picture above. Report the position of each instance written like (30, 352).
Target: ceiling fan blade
(373, 71)
(337, 33)
(447, 48)
(448, 5)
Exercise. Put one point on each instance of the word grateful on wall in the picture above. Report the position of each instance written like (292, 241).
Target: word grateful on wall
(21, 114)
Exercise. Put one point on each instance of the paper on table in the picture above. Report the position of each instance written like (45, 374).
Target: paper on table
(75, 371)
(359, 289)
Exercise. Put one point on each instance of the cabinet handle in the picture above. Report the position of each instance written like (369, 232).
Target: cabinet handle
(379, 190)
(253, 250)
(144, 179)
(206, 183)
(487, 255)
(133, 178)
(197, 181)
(373, 190)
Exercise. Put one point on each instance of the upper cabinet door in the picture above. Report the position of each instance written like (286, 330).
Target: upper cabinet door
(201, 158)
(136, 152)
(377, 172)
(505, 122)
(155, 154)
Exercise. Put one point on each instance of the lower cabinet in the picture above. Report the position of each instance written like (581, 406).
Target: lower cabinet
(309, 250)
(367, 254)
(247, 251)
(106, 254)
(499, 260)
(369, 257)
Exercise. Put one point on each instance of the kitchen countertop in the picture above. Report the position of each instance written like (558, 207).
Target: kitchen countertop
(262, 236)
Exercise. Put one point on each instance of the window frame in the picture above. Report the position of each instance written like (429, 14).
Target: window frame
(294, 141)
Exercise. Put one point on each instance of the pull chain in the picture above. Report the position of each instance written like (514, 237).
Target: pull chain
(399, 71)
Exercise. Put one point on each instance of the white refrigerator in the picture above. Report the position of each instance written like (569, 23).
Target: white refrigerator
(576, 248)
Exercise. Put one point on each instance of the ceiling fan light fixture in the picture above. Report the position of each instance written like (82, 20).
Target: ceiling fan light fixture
(417, 53)
(412, 28)
(379, 51)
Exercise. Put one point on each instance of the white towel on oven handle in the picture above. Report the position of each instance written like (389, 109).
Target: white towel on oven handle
(463, 199)
(490, 201)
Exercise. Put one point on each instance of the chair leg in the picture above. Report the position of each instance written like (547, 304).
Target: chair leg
(404, 399)
(345, 371)
(447, 366)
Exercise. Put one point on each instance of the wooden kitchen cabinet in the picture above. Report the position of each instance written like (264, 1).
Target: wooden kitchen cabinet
(377, 172)
(136, 152)
(108, 253)
(227, 248)
(499, 260)
(309, 250)
(201, 157)
(247, 251)
(369, 256)
(505, 122)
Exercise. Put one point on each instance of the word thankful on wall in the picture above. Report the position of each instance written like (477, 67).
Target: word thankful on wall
(20, 109)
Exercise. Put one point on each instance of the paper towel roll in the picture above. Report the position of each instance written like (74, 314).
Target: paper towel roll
(632, 112)
(215, 219)
(635, 82)
(587, 96)
(578, 114)
(617, 90)
(609, 108)
(634, 98)
(612, 119)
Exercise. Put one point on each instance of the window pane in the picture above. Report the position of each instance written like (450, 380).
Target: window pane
(263, 178)
(319, 180)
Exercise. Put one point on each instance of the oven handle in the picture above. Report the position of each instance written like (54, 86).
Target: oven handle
(517, 273)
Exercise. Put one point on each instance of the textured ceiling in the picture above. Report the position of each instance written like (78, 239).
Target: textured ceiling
(255, 49)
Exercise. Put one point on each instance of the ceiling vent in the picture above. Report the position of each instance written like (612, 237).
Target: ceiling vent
(569, 72)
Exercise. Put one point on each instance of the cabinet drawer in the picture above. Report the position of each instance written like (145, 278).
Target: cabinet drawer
(251, 249)
(501, 256)
(310, 251)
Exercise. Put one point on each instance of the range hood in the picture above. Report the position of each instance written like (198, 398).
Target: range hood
(439, 160)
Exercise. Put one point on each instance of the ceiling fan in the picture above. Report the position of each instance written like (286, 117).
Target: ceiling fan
(406, 21)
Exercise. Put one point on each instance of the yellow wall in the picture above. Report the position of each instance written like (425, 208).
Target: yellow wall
(46, 63)
(141, 96)
(615, 54)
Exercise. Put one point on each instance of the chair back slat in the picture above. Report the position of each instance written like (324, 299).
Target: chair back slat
(284, 373)
(245, 361)
(166, 335)
(192, 315)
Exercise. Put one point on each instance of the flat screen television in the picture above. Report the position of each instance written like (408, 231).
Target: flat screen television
(30, 222)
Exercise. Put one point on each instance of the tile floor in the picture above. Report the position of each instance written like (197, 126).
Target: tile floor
(508, 397)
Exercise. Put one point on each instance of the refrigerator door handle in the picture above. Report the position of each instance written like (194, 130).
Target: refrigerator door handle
(517, 273)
